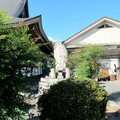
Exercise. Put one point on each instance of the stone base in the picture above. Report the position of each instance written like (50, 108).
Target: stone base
(60, 75)
(45, 84)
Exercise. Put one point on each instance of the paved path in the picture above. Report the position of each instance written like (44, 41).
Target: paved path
(111, 86)
(113, 90)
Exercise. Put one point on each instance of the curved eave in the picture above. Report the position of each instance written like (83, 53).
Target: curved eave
(27, 9)
(44, 35)
(22, 7)
(38, 30)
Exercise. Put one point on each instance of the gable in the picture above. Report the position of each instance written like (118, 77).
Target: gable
(105, 25)
(104, 31)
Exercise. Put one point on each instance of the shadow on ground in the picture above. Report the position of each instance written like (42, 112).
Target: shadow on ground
(34, 118)
(114, 97)
(101, 83)
(113, 116)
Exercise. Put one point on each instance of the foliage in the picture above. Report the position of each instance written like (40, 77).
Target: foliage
(50, 58)
(102, 75)
(17, 50)
(85, 60)
(74, 99)
(52, 43)
(67, 65)
(52, 61)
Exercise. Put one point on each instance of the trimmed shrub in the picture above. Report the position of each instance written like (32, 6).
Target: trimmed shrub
(74, 99)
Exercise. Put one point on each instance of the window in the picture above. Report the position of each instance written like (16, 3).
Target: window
(105, 63)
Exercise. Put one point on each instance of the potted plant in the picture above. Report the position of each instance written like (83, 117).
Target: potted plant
(102, 76)
(112, 75)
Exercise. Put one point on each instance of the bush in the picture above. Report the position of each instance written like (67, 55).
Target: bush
(74, 99)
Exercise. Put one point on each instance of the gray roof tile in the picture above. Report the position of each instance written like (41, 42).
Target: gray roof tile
(15, 6)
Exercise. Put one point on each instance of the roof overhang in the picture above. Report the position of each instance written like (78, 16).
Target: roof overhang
(35, 28)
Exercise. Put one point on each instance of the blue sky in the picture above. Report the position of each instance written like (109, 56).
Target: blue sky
(63, 18)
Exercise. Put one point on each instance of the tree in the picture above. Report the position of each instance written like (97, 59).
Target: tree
(17, 50)
(85, 60)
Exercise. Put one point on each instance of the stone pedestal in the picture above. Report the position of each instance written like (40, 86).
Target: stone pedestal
(60, 75)
(67, 73)
(53, 75)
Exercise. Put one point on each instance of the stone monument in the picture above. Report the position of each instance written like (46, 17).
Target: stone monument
(60, 55)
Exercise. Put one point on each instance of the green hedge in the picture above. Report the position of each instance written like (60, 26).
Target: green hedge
(74, 99)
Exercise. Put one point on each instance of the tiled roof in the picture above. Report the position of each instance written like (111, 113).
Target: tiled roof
(14, 6)
(90, 26)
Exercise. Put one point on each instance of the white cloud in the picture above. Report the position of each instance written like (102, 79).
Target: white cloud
(51, 39)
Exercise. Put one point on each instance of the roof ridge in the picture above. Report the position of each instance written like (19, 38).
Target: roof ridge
(111, 19)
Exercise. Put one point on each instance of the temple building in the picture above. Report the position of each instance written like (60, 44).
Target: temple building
(105, 31)
(19, 10)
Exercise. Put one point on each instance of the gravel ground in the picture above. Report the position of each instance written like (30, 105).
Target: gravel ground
(35, 118)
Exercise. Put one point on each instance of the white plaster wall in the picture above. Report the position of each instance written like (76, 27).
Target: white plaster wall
(110, 64)
(98, 36)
